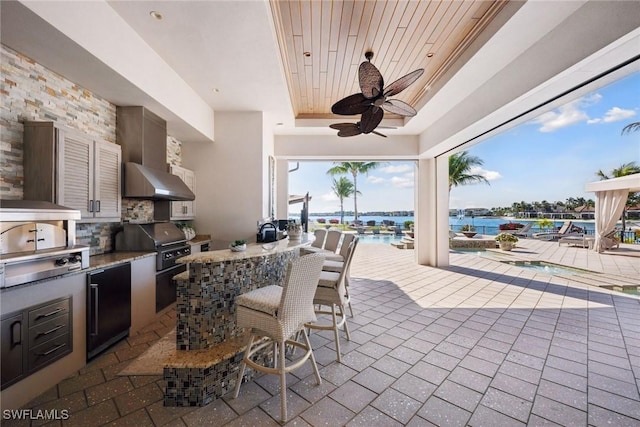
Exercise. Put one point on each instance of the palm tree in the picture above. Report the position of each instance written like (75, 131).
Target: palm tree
(354, 168)
(631, 127)
(343, 188)
(624, 170)
(459, 166)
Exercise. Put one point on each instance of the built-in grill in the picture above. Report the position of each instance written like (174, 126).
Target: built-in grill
(170, 244)
(38, 241)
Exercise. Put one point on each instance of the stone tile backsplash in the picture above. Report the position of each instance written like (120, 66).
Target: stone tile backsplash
(30, 91)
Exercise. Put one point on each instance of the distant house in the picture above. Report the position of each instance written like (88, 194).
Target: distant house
(477, 212)
(585, 212)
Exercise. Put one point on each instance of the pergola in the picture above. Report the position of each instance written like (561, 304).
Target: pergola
(611, 197)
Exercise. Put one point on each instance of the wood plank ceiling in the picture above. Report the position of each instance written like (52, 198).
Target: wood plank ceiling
(323, 42)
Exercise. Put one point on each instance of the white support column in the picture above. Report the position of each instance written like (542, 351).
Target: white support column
(282, 189)
(432, 212)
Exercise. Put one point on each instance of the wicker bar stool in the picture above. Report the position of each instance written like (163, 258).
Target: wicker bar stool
(331, 292)
(330, 246)
(278, 313)
(335, 266)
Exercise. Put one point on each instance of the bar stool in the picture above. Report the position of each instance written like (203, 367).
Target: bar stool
(278, 313)
(331, 243)
(333, 264)
(331, 292)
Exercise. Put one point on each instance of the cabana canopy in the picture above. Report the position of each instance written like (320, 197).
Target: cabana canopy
(611, 197)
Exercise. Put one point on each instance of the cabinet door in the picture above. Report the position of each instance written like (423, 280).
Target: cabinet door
(75, 172)
(190, 206)
(177, 208)
(13, 333)
(107, 180)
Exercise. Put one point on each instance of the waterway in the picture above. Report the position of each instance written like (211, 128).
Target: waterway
(483, 225)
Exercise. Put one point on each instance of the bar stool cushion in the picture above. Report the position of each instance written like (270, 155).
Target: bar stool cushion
(266, 300)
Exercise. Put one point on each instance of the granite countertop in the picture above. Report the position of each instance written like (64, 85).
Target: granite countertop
(106, 260)
(253, 250)
(199, 239)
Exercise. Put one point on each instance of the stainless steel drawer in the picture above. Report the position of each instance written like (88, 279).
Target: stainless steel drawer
(46, 352)
(48, 330)
(47, 312)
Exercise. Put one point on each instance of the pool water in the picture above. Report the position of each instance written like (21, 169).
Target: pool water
(547, 267)
(379, 238)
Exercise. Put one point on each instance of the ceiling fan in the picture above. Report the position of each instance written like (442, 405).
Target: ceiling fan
(373, 101)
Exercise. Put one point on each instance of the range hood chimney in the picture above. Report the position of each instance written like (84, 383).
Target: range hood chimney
(143, 138)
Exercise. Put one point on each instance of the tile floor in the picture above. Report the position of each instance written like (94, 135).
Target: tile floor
(480, 343)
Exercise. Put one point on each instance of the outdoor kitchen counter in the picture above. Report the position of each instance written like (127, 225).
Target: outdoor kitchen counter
(113, 258)
(208, 344)
(253, 250)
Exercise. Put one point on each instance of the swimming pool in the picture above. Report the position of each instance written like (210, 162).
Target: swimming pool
(379, 238)
(547, 267)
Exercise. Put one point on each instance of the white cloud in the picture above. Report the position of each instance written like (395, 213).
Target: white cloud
(328, 197)
(489, 175)
(405, 181)
(376, 179)
(615, 114)
(568, 114)
(397, 168)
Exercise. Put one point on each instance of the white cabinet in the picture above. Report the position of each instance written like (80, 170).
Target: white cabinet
(73, 170)
(184, 209)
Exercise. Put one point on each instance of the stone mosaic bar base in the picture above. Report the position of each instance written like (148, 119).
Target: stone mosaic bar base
(209, 346)
(198, 377)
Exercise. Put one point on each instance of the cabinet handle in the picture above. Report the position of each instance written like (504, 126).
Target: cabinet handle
(56, 311)
(16, 333)
(97, 205)
(56, 348)
(94, 308)
(90, 205)
(30, 240)
(50, 331)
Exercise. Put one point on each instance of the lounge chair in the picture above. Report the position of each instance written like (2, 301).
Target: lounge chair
(609, 241)
(520, 232)
(564, 231)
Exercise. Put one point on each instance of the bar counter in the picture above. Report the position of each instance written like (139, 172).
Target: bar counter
(208, 343)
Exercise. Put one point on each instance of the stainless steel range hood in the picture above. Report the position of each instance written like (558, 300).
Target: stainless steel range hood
(143, 138)
(146, 183)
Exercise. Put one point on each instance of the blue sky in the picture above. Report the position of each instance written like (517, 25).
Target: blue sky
(549, 158)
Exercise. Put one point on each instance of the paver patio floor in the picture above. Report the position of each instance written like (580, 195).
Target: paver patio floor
(480, 343)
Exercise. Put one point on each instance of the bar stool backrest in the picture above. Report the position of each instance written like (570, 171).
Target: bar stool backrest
(333, 240)
(320, 234)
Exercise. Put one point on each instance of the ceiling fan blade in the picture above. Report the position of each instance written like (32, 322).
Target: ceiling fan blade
(351, 105)
(371, 81)
(403, 82)
(350, 131)
(371, 119)
(379, 134)
(340, 126)
(395, 106)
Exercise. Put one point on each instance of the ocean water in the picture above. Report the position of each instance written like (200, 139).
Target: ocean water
(483, 225)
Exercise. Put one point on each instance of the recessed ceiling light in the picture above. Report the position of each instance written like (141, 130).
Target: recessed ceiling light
(429, 55)
(216, 90)
(156, 15)
(307, 54)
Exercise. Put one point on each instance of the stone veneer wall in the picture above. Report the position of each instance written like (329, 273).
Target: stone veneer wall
(31, 91)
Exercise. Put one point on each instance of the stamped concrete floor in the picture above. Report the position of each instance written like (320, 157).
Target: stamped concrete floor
(480, 343)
